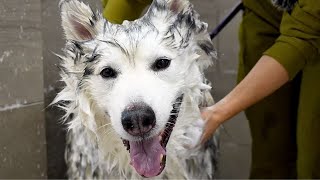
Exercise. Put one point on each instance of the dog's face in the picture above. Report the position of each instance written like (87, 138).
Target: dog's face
(138, 72)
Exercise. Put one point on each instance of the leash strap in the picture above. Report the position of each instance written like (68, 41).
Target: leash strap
(226, 20)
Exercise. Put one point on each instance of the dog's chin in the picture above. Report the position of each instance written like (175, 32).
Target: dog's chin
(148, 156)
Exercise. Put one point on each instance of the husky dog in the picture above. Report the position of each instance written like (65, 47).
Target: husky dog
(133, 92)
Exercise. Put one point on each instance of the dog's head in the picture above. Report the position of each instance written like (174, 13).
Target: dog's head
(136, 73)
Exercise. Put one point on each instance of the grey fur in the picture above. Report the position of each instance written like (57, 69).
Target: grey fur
(206, 46)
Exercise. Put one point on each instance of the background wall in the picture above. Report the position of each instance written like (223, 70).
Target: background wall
(22, 132)
(31, 137)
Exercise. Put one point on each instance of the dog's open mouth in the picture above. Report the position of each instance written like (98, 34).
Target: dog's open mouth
(148, 156)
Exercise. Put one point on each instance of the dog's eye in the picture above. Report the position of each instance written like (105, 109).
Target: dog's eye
(161, 64)
(108, 73)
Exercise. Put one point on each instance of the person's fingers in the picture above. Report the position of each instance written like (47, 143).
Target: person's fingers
(211, 124)
(205, 114)
(209, 129)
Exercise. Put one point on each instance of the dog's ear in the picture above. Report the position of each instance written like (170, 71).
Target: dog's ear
(175, 6)
(178, 6)
(78, 20)
(182, 26)
(175, 15)
(161, 8)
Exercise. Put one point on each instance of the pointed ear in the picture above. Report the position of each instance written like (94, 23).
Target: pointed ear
(178, 6)
(177, 12)
(79, 22)
(158, 7)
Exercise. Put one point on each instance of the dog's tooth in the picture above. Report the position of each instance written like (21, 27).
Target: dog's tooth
(161, 157)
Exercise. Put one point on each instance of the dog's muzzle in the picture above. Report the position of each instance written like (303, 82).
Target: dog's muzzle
(148, 156)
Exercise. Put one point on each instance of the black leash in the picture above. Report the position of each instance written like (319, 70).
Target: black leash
(226, 20)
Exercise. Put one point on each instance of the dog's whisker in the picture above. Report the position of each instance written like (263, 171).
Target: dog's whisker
(173, 114)
(186, 106)
(177, 102)
(108, 132)
(107, 124)
(166, 133)
(170, 123)
(75, 72)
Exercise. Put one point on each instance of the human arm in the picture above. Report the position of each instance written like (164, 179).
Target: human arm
(297, 46)
(265, 77)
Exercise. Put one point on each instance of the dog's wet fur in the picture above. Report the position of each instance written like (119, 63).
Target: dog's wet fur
(133, 93)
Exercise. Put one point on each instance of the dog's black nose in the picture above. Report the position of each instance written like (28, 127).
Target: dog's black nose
(138, 119)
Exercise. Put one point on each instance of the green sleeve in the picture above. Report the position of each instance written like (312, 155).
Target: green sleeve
(299, 42)
(117, 11)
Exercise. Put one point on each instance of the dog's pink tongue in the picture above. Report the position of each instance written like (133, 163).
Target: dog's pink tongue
(146, 156)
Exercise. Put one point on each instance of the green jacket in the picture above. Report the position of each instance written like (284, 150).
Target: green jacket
(117, 11)
(299, 41)
(289, 119)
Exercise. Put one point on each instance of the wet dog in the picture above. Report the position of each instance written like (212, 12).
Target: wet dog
(133, 93)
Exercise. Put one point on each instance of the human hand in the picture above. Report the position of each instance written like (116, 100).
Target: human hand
(266, 76)
(212, 120)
